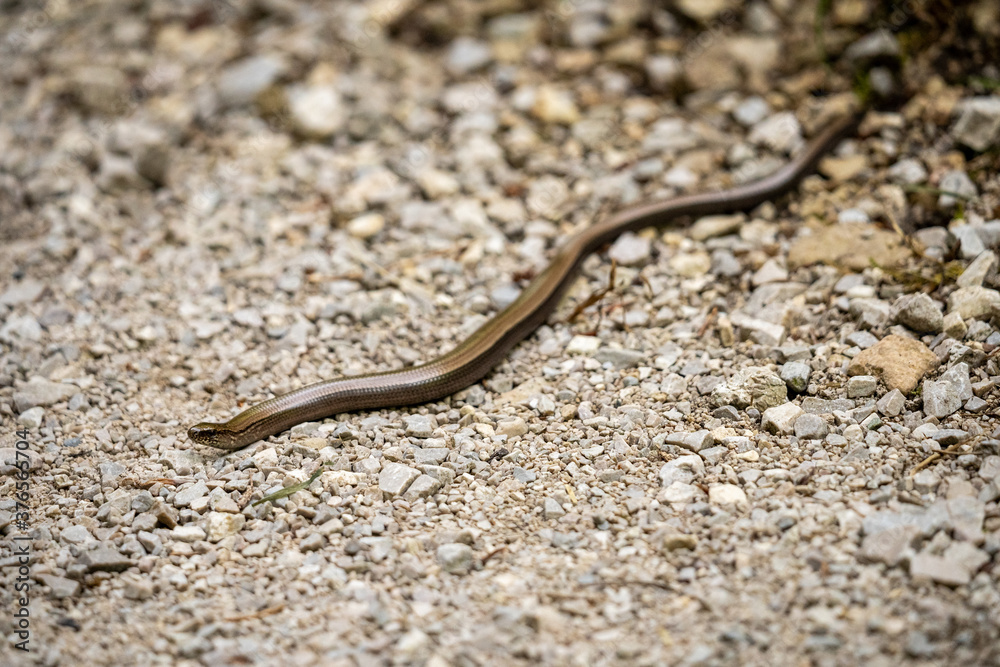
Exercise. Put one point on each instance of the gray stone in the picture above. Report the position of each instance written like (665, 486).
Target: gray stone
(861, 339)
(512, 427)
(182, 462)
(682, 469)
(679, 492)
(110, 471)
(41, 392)
(756, 387)
(954, 326)
(149, 541)
(455, 558)
(758, 330)
(726, 412)
(32, 417)
(888, 546)
(974, 302)
(620, 358)
(727, 495)
(242, 81)
(420, 426)
(908, 171)
(695, 442)
(312, 542)
(137, 588)
(956, 181)
(24, 328)
(712, 226)
(444, 475)
(978, 125)
(892, 403)
(970, 245)
(949, 436)
(664, 72)
(467, 55)
(630, 249)
(811, 427)
(430, 455)
(396, 478)
(551, 509)
(977, 271)
(714, 454)
(423, 486)
(926, 481)
(104, 559)
(958, 377)
(861, 386)
(220, 525)
(965, 516)
(76, 535)
(317, 112)
(25, 291)
(966, 556)
(940, 399)
(870, 313)
(918, 312)
(523, 476)
(186, 496)
(796, 375)
(820, 406)
(188, 533)
(751, 111)
(780, 131)
(928, 520)
(781, 419)
(939, 569)
(880, 43)
(60, 587)
(990, 468)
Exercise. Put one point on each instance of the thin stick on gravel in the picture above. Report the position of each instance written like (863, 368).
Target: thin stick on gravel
(952, 449)
(270, 611)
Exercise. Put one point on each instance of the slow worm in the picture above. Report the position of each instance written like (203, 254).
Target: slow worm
(474, 357)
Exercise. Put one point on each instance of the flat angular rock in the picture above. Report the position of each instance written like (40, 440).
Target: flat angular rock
(892, 403)
(918, 312)
(396, 478)
(888, 546)
(551, 509)
(755, 387)
(898, 362)
(220, 525)
(105, 559)
(188, 495)
(42, 392)
(974, 302)
(423, 486)
(978, 125)
(60, 587)
(781, 419)
(727, 495)
(682, 469)
(939, 569)
(695, 442)
(838, 245)
(455, 558)
(811, 427)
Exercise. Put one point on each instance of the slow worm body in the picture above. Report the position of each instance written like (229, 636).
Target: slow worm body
(474, 357)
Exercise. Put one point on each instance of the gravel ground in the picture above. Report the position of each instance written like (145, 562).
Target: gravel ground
(773, 442)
